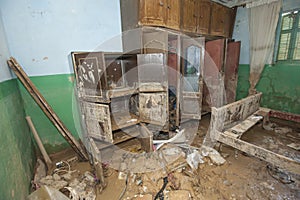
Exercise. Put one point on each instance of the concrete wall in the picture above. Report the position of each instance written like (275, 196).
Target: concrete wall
(280, 81)
(41, 35)
(16, 147)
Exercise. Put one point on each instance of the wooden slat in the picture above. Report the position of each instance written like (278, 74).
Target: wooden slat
(123, 120)
(119, 137)
(46, 108)
(238, 130)
(278, 160)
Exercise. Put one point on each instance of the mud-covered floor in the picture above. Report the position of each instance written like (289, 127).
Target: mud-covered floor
(241, 177)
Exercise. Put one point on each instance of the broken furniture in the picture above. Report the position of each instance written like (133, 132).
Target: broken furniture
(195, 17)
(185, 61)
(108, 94)
(46, 108)
(229, 122)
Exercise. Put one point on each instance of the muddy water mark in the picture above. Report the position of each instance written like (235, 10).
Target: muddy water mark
(157, 78)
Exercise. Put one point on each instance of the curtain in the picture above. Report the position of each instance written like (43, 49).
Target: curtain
(262, 25)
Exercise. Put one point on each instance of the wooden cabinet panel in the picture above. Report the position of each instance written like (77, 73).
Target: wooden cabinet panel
(173, 14)
(188, 16)
(152, 12)
(213, 68)
(192, 80)
(154, 108)
(231, 70)
(155, 41)
(97, 121)
(217, 20)
(90, 77)
(152, 72)
(229, 21)
(203, 14)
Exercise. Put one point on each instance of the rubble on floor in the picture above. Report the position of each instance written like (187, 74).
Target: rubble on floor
(62, 180)
(175, 171)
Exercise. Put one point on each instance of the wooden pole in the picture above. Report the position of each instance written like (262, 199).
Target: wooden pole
(39, 142)
(46, 108)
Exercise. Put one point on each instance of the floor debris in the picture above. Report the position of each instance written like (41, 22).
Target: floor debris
(192, 172)
(294, 146)
(47, 193)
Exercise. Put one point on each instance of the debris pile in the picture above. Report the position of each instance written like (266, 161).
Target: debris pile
(169, 173)
(72, 183)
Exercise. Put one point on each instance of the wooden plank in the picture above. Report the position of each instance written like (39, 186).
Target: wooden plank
(285, 116)
(146, 138)
(239, 110)
(179, 55)
(97, 162)
(243, 126)
(39, 141)
(123, 120)
(119, 137)
(46, 108)
(278, 160)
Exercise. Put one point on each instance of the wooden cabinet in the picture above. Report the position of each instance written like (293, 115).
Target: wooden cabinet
(222, 20)
(153, 88)
(101, 76)
(202, 17)
(203, 13)
(188, 16)
(162, 13)
(196, 16)
(152, 12)
(134, 89)
(218, 20)
(173, 14)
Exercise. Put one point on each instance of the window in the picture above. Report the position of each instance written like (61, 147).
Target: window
(289, 43)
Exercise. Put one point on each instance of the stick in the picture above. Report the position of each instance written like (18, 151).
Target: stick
(46, 108)
(38, 141)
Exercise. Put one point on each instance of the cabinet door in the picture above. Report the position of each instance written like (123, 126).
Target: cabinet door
(189, 20)
(218, 20)
(152, 72)
(203, 13)
(213, 74)
(154, 41)
(97, 121)
(173, 14)
(154, 108)
(89, 68)
(192, 80)
(231, 70)
(153, 12)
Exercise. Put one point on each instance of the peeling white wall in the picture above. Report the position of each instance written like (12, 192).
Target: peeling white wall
(41, 34)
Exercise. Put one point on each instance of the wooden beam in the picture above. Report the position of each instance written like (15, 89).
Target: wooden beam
(46, 108)
(285, 116)
(278, 160)
(238, 130)
(39, 142)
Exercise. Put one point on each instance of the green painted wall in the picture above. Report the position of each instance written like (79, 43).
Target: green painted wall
(16, 147)
(279, 83)
(59, 93)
